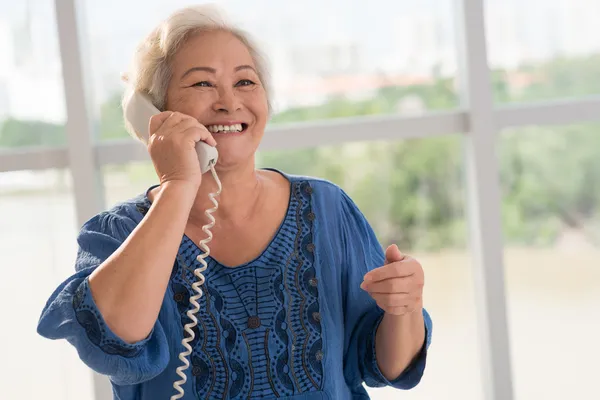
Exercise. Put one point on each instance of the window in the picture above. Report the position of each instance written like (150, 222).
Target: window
(32, 112)
(123, 182)
(340, 67)
(38, 251)
(543, 49)
(551, 207)
(37, 221)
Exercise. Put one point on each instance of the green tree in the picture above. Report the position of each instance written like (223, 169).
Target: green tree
(551, 181)
(412, 190)
(111, 119)
(21, 133)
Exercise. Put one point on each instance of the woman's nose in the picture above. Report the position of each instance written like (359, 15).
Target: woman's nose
(227, 101)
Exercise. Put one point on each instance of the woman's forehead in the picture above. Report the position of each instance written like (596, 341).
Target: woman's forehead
(214, 49)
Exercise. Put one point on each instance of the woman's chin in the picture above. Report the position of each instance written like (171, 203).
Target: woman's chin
(230, 162)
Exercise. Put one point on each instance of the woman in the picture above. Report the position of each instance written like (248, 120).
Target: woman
(300, 301)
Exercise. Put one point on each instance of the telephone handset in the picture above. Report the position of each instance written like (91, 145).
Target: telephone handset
(138, 111)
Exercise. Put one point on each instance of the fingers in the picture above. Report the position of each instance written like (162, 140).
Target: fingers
(390, 286)
(386, 300)
(398, 303)
(200, 133)
(396, 287)
(190, 127)
(156, 121)
(166, 124)
(171, 121)
(393, 254)
(397, 269)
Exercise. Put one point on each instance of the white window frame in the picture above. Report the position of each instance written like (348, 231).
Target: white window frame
(478, 119)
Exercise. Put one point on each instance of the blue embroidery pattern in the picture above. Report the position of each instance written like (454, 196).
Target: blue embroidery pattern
(89, 319)
(259, 330)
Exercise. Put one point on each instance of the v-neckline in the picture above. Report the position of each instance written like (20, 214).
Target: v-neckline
(263, 254)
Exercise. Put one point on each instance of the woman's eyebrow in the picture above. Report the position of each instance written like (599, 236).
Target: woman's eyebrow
(245, 66)
(214, 71)
(194, 69)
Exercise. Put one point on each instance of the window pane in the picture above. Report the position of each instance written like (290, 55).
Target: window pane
(32, 110)
(412, 193)
(326, 61)
(543, 49)
(551, 206)
(37, 233)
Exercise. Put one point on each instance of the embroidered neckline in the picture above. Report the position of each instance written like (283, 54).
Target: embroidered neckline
(144, 203)
(265, 254)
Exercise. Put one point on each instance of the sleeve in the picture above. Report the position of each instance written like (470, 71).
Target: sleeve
(362, 315)
(71, 313)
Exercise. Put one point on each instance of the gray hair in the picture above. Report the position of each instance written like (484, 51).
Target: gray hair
(150, 70)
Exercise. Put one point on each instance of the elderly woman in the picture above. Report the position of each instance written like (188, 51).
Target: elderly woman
(300, 301)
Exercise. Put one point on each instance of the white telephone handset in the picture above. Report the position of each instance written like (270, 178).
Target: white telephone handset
(138, 111)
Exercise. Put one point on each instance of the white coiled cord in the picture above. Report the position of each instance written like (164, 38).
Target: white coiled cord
(197, 287)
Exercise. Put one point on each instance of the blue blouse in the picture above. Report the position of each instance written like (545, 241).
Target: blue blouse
(293, 323)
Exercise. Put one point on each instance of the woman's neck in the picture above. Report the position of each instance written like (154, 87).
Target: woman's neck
(241, 190)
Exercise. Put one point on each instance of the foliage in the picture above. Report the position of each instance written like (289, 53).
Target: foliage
(412, 191)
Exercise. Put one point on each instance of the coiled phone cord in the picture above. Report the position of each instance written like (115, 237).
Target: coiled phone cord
(197, 287)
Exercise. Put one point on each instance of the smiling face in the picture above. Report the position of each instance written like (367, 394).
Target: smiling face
(215, 81)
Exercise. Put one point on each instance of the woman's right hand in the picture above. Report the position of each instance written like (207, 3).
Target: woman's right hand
(172, 147)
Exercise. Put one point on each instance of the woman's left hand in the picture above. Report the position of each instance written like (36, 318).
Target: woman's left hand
(397, 286)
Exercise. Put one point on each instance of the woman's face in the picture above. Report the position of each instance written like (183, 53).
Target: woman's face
(215, 81)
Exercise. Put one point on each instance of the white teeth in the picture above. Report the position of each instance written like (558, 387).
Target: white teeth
(225, 128)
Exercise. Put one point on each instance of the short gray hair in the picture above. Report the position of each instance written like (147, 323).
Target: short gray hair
(150, 70)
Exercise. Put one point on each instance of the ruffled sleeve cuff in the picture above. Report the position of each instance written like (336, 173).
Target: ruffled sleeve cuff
(412, 375)
(96, 329)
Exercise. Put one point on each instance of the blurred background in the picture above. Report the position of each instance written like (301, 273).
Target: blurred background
(334, 62)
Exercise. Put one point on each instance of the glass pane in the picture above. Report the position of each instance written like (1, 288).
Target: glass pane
(551, 206)
(326, 61)
(37, 233)
(412, 193)
(32, 110)
(122, 182)
(543, 49)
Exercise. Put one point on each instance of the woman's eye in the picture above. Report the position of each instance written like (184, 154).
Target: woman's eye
(202, 84)
(245, 82)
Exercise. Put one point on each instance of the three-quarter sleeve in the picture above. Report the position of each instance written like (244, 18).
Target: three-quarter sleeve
(71, 313)
(362, 316)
